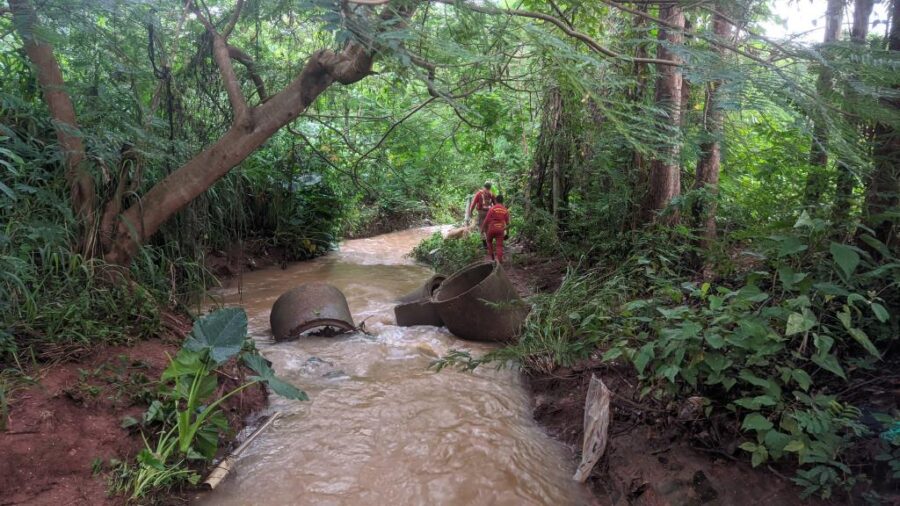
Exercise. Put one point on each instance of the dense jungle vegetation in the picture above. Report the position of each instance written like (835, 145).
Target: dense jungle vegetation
(727, 200)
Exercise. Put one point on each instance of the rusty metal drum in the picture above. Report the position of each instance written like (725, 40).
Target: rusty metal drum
(309, 306)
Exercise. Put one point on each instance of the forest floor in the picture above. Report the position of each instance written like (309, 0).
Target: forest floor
(64, 427)
(657, 454)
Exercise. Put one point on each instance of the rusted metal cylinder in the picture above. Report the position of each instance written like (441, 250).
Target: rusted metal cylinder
(425, 291)
(417, 308)
(479, 303)
(307, 307)
(419, 312)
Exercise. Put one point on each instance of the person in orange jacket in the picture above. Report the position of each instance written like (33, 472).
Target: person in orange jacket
(482, 202)
(494, 228)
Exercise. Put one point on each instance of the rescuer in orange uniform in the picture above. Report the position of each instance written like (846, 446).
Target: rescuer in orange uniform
(482, 202)
(494, 228)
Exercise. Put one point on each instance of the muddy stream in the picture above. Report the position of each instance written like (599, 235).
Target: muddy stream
(380, 427)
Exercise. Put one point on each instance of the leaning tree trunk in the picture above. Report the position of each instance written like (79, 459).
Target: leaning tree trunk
(704, 211)
(846, 180)
(818, 157)
(883, 192)
(248, 132)
(665, 169)
(251, 126)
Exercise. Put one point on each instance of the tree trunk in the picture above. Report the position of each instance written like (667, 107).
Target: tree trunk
(637, 95)
(846, 180)
(707, 177)
(62, 112)
(545, 165)
(183, 185)
(816, 180)
(883, 192)
(665, 170)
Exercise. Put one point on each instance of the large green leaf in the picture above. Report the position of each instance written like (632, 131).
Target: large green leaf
(864, 340)
(830, 363)
(800, 322)
(185, 363)
(263, 369)
(221, 332)
(845, 257)
(790, 245)
(757, 422)
(880, 312)
(643, 357)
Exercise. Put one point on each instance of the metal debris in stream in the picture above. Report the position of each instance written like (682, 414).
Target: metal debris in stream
(310, 306)
(477, 303)
(417, 307)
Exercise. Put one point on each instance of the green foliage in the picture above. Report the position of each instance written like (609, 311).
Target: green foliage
(769, 347)
(449, 255)
(187, 417)
(772, 347)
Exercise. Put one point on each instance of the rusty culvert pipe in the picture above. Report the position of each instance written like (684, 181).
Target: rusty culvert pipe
(425, 291)
(419, 312)
(309, 306)
(417, 308)
(479, 303)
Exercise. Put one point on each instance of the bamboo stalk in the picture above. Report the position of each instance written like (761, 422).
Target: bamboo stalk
(220, 472)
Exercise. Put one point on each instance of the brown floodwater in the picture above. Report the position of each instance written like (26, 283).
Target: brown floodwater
(380, 427)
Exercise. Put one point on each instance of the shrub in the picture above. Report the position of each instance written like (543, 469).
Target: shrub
(449, 255)
(186, 418)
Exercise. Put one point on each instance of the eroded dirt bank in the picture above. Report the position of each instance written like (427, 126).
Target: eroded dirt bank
(656, 453)
(64, 429)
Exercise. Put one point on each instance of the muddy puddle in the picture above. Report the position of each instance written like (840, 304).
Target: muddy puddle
(380, 427)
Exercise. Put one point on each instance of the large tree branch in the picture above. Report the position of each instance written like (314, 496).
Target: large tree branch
(248, 63)
(179, 188)
(562, 25)
(234, 19)
(65, 122)
(223, 60)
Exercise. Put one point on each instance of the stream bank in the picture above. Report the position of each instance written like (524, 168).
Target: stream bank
(656, 453)
(65, 433)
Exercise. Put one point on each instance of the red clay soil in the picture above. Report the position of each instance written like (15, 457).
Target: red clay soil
(69, 421)
(656, 454)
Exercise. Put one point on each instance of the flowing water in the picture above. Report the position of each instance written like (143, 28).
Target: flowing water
(380, 427)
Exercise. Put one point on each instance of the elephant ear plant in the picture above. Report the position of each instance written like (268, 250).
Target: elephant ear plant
(188, 410)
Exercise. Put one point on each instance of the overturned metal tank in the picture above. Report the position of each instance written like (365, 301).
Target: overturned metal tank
(417, 307)
(309, 306)
(479, 303)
